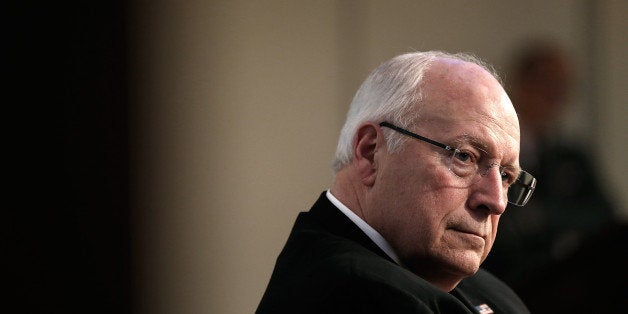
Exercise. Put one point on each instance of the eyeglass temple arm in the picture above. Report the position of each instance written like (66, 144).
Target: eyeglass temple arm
(414, 135)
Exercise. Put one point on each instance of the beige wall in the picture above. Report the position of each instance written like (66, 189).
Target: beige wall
(237, 105)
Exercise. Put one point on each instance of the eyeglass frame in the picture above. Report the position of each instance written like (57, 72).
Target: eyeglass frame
(525, 180)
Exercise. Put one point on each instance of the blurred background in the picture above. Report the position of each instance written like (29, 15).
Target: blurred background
(193, 132)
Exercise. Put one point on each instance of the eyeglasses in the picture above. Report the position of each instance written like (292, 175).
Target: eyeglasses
(466, 164)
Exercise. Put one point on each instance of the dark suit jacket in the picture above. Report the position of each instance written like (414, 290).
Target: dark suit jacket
(329, 265)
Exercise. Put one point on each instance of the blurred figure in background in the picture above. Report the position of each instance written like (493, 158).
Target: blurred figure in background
(538, 246)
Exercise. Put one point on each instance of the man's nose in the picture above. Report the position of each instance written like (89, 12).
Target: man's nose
(489, 192)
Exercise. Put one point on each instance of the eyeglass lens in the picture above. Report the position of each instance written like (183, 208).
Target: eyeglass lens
(520, 191)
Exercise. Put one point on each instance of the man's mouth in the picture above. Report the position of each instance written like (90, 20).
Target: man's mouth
(470, 232)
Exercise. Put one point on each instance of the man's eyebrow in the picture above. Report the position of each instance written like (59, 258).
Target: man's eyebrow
(476, 142)
(471, 140)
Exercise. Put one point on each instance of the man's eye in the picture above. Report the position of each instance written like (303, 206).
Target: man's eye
(508, 176)
(464, 156)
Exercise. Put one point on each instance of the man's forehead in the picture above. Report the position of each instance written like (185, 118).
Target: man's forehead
(454, 88)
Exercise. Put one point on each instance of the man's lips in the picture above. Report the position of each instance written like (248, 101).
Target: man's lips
(470, 232)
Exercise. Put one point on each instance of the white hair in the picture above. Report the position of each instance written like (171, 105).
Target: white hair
(389, 93)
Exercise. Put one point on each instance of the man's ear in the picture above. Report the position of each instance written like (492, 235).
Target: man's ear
(366, 143)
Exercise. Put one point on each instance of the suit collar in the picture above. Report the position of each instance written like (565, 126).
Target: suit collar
(332, 219)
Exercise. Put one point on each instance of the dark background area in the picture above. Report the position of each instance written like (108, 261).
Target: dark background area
(68, 228)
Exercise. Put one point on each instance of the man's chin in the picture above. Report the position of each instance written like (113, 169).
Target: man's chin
(459, 266)
(465, 265)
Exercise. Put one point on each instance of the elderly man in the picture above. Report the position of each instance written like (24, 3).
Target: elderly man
(426, 163)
